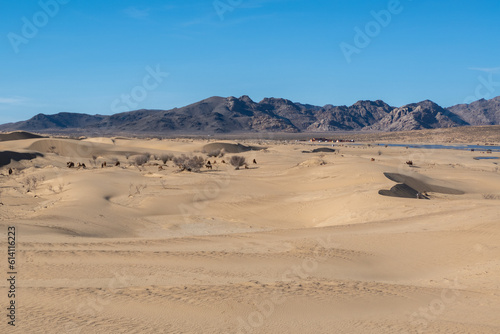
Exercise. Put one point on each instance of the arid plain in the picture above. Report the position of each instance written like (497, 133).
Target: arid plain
(297, 243)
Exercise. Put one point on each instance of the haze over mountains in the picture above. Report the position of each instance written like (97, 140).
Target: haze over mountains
(232, 115)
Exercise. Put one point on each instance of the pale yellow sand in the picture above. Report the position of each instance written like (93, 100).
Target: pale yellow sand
(299, 243)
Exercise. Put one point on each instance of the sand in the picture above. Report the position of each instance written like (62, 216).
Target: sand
(297, 243)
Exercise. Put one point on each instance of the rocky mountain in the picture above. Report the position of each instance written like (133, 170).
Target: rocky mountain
(360, 115)
(418, 116)
(230, 115)
(482, 112)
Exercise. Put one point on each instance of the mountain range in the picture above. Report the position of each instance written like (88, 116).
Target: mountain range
(232, 115)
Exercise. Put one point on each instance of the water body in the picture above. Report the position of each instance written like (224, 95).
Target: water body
(486, 158)
(446, 147)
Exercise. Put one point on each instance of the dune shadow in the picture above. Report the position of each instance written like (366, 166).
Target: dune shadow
(230, 148)
(410, 187)
(18, 135)
(6, 157)
(321, 150)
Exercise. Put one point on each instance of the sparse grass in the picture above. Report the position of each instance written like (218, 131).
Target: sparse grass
(60, 187)
(491, 196)
(136, 189)
(53, 149)
(31, 183)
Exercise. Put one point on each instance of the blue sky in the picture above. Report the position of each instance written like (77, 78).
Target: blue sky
(85, 56)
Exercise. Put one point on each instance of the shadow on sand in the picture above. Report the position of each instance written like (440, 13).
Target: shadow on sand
(411, 187)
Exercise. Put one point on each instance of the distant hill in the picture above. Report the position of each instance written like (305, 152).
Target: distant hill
(238, 115)
(482, 112)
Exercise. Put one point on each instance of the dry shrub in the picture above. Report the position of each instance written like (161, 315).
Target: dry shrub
(216, 153)
(136, 189)
(166, 157)
(180, 161)
(195, 163)
(192, 164)
(491, 196)
(31, 183)
(237, 161)
(141, 159)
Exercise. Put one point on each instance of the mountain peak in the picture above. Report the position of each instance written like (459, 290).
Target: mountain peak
(246, 98)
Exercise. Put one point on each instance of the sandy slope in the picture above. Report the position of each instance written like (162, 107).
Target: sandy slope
(299, 243)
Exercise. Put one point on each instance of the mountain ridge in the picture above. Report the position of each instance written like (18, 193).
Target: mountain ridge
(230, 115)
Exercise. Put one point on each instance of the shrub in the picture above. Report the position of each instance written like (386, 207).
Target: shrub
(32, 183)
(190, 164)
(216, 153)
(195, 163)
(180, 161)
(166, 157)
(141, 159)
(237, 161)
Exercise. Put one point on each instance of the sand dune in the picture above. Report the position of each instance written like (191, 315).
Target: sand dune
(296, 244)
(230, 147)
(18, 135)
(413, 186)
(75, 148)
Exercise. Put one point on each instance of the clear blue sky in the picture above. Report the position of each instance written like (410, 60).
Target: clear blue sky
(87, 54)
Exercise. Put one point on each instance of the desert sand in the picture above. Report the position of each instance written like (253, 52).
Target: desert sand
(297, 243)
